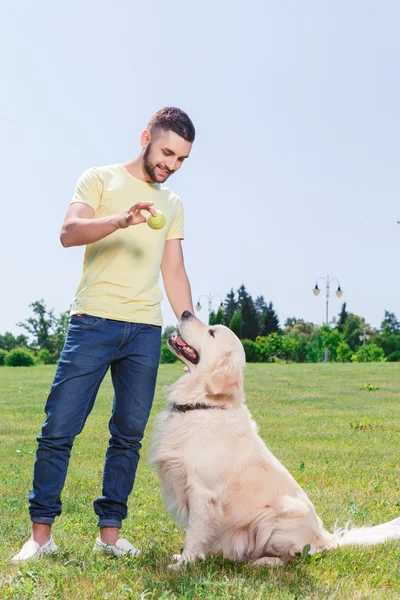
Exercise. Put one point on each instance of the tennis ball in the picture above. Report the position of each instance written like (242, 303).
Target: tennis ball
(158, 221)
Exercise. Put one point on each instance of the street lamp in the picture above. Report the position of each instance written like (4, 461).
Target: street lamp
(316, 292)
(210, 299)
(365, 336)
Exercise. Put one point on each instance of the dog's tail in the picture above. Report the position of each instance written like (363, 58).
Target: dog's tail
(366, 535)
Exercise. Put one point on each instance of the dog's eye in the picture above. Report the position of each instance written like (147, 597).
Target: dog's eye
(211, 332)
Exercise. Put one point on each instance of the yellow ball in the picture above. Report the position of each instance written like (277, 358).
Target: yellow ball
(158, 221)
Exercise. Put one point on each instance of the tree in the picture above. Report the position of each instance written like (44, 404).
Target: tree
(41, 325)
(219, 319)
(290, 322)
(212, 319)
(261, 305)
(389, 342)
(250, 319)
(390, 320)
(230, 307)
(60, 333)
(8, 341)
(236, 324)
(331, 338)
(269, 321)
(47, 330)
(342, 317)
(352, 330)
(242, 294)
(304, 327)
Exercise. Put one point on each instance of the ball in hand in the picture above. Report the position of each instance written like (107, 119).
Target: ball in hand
(158, 221)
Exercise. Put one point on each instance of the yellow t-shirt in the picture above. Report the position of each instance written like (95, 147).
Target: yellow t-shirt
(121, 272)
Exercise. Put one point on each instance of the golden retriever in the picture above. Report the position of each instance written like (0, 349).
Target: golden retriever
(218, 478)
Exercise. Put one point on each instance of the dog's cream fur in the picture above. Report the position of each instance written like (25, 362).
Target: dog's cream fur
(218, 478)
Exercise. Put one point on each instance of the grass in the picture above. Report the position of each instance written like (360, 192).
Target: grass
(340, 443)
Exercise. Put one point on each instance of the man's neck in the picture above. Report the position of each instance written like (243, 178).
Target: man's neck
(135, 167)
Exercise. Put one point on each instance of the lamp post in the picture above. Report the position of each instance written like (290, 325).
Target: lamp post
(316, 292)
(210, 299)
(364, 337)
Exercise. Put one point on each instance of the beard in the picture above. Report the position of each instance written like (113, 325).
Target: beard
(150, 167)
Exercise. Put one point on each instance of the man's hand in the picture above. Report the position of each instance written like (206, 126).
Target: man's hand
(133, 216)
(80, 228)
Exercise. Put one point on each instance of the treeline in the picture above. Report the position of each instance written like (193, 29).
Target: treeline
(44, 342)
(348, 338)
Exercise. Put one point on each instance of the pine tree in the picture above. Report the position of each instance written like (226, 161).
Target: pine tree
(269, 321)
(261, 305)
(342, 317)
(220, 317)
(242, 294)
(212, 319)
(230, 306)
(250, 319)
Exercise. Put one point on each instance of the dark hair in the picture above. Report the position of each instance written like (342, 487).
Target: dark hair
(173, 119)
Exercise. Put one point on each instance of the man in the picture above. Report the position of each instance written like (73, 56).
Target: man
(115, 321)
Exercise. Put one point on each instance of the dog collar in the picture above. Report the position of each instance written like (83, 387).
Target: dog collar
(198, 406)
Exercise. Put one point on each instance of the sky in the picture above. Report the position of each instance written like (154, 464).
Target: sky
(294, 173)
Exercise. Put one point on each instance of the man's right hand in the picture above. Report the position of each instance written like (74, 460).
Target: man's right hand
(80, 227)
(133, 216)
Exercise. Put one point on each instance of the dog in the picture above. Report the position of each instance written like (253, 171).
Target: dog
(218, 478)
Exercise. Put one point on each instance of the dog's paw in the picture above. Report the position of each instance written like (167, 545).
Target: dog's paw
(184, 559)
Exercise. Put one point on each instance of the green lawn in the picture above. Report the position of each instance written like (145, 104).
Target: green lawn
(351, 472)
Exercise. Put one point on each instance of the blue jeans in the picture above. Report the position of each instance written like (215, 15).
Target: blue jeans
(92, 345)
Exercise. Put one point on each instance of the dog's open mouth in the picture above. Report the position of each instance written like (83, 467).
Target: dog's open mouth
(183, 349)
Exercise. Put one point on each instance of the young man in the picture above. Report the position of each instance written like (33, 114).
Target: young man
(115, 321)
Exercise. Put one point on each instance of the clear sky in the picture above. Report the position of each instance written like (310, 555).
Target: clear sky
(295, 170)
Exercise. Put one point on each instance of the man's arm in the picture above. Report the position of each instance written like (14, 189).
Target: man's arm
(175, 279)
(80, 228)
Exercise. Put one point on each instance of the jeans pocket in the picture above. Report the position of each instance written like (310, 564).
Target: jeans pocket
(85, 321)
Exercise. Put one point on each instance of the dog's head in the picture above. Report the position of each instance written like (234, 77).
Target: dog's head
(211, 351)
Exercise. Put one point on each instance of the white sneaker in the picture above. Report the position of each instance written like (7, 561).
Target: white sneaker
(121, 548)
(31, 549)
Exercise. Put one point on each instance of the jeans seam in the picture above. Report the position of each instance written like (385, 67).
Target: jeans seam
(80, 429)
(125, 335)
(104, 517)
(82, 326)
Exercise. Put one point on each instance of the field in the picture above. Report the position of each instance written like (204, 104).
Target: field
(339, 438)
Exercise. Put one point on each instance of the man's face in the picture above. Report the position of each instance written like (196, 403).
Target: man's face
(164, 155)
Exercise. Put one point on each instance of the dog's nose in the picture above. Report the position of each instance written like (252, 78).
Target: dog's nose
(186, 314)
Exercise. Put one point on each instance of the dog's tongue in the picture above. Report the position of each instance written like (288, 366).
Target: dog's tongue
(178, 341)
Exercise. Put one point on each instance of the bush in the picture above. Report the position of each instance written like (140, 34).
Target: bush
(269, 346)
(44, 356)
(369, 353)
(344, 352)
(251, 351)
(167, 356)
(393, 357)
(19, 357)
(2, 356)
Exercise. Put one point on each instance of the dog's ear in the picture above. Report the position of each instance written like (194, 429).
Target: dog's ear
(225, 379)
